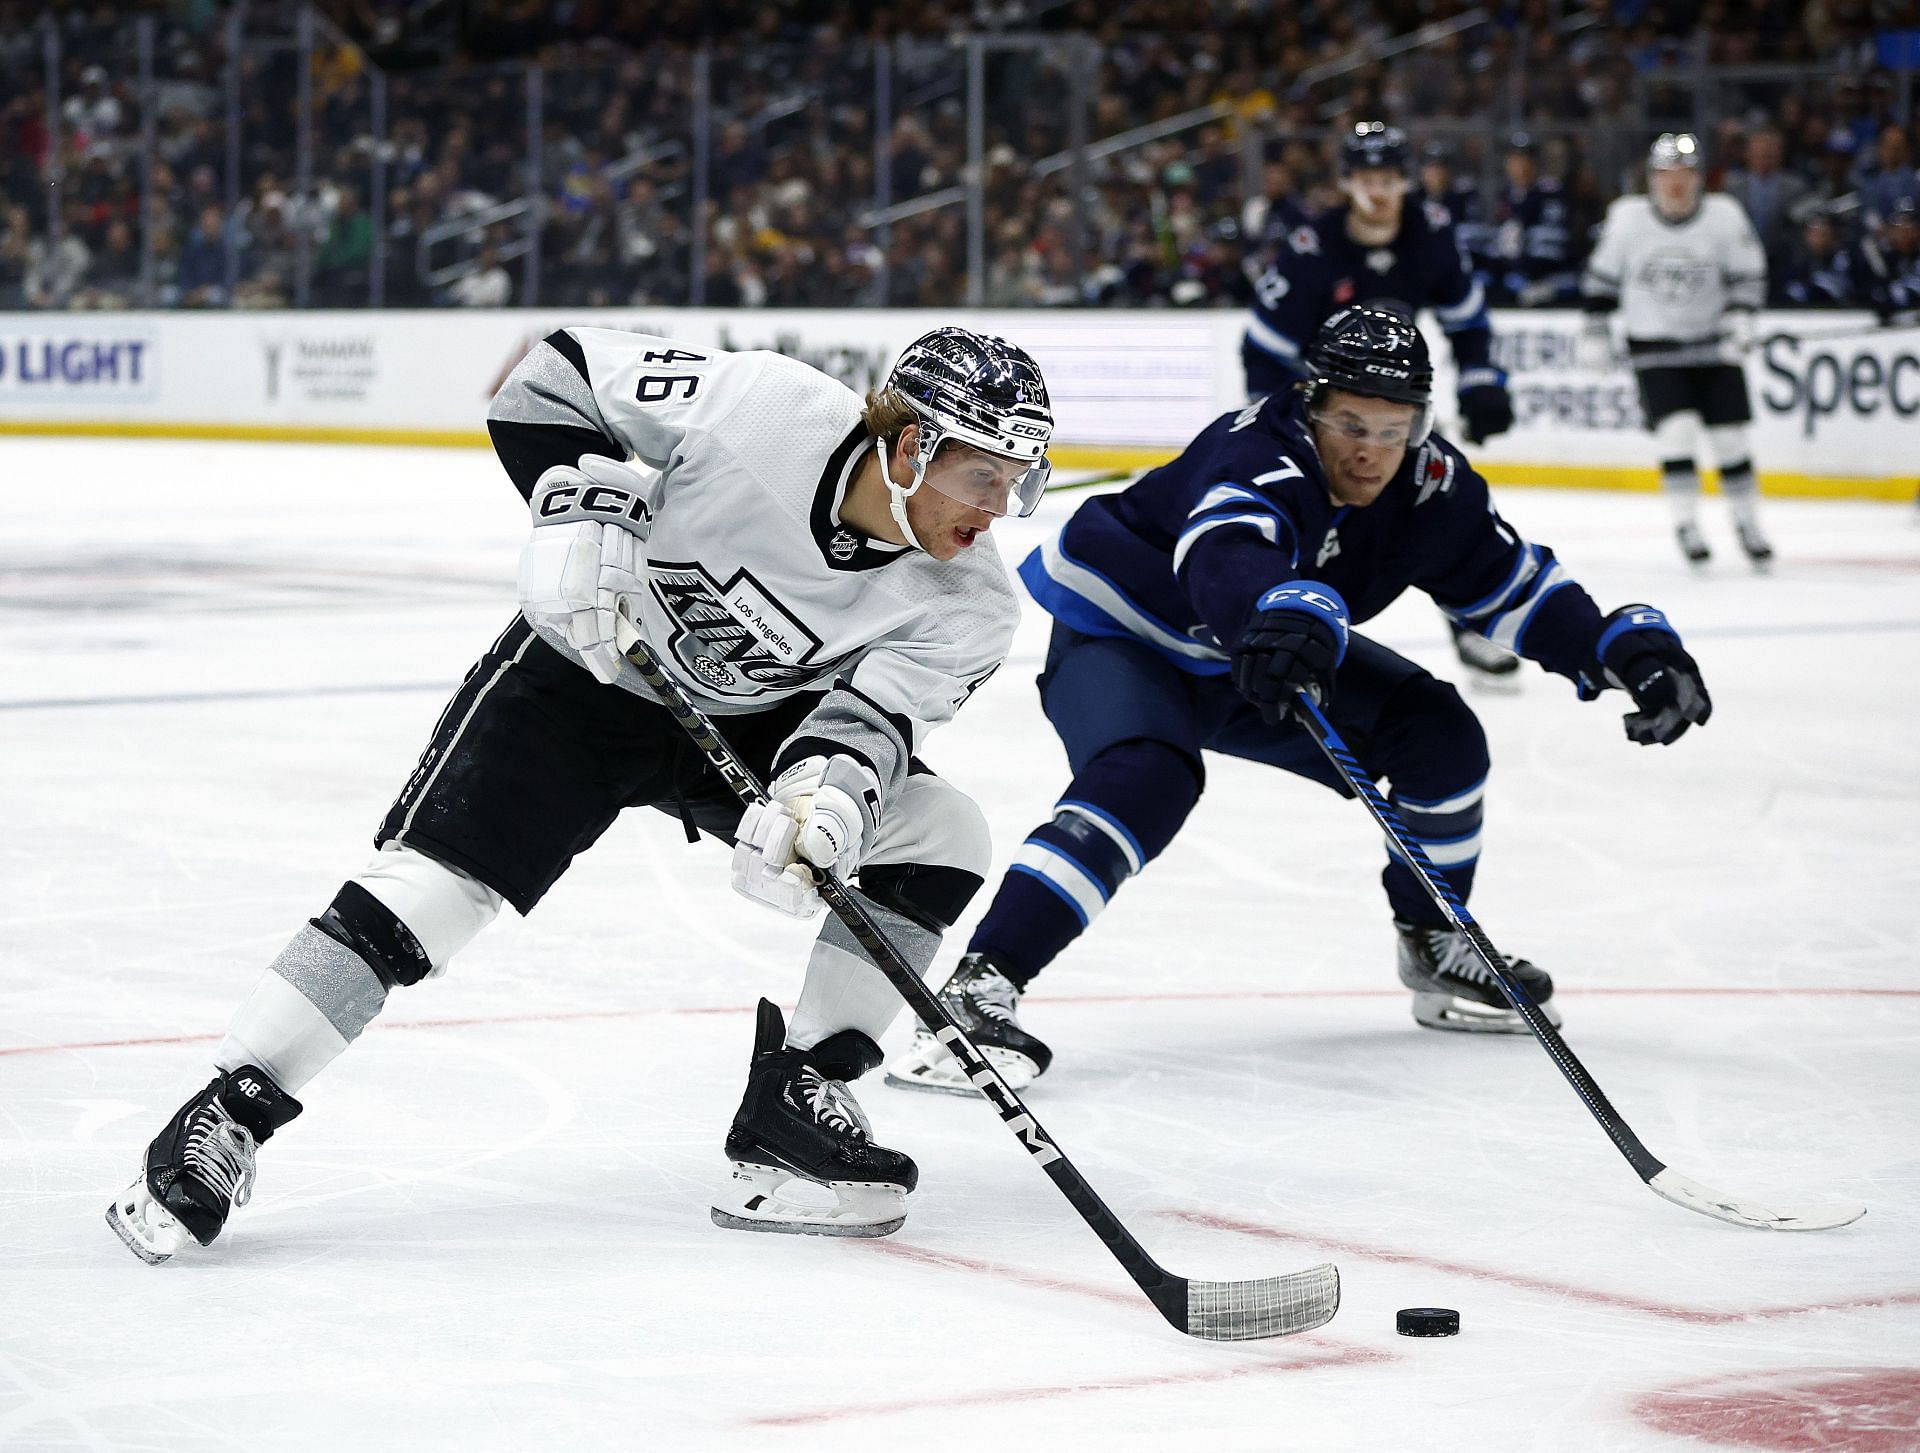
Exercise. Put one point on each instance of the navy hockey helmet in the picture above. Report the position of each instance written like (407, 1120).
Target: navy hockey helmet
(1375, 351)
(980, 390)
(1373, 146)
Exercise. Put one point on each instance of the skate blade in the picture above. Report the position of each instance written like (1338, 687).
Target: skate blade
(928, 1067)
(759, 1202)
(134, 1209)
(1465, 1016)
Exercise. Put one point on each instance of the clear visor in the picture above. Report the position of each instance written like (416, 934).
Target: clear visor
(990, 482)
(1351, 427)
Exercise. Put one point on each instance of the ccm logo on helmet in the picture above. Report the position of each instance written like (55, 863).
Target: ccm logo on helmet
(1029, 431)
(595, 499)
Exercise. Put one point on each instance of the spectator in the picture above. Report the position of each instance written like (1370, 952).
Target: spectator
(1833, 181)
(201, 279)
(16, 233)
(1891, 180)
(340, 264)
(113, 277)
(95, 114)
(487, 286)
(54, 270)
(1821, 273)
(1770, 195)
(1893, 261)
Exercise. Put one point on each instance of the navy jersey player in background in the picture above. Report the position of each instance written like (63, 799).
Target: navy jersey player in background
(1377, 248)
(1190, 607)
(1529, 238)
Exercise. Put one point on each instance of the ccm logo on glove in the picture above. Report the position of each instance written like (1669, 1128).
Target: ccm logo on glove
(596, 499)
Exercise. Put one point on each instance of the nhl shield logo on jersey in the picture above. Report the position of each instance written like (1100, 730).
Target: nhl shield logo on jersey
(843, 545)
(734, 637)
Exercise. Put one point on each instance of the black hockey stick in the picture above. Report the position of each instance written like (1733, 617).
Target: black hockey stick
(1218, 1311)
(1664, 1182)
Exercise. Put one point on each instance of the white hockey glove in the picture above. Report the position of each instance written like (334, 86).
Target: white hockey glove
(586, 557)
(1594, 350)
(821, 813)
(1736, 335)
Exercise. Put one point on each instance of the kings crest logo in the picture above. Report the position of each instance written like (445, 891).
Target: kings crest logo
(735, 639)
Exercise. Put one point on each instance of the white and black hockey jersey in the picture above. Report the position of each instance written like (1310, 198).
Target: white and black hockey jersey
(757, 591)
(1675, 280)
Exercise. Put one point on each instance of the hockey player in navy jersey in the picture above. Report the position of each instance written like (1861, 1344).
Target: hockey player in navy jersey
(1377, 248)
(813, 570)
(1191, 607)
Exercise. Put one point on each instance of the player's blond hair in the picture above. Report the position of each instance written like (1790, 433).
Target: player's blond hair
(887, 414)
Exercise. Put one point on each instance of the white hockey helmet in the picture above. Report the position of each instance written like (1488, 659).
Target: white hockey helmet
(979, 390)
(1674, 149)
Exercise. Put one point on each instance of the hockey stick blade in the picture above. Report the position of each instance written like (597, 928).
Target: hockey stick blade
(1242, 1311)
(1682, 1190)
(1663, 1181)
(1213, 1311)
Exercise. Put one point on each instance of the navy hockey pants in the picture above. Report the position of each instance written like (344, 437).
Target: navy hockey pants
(1135, 728)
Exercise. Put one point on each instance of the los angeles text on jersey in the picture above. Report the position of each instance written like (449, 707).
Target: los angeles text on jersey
(735, 637)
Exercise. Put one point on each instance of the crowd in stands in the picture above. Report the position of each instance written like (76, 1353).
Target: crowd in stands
(1528, 125)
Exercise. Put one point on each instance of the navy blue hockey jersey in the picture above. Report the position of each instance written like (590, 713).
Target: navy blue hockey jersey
(1318, 269)
(1530, 244)
(1178, 559)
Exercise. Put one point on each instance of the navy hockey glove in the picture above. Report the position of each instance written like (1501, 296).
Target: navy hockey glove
(1643, 656)
(1486, 408)
(1296, 639)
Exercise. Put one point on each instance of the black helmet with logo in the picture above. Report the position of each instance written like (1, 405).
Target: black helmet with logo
(1376, 351)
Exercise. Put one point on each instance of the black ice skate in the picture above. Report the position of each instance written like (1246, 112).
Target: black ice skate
(1693, 544)
(201, 1166)
(1452, 988)
(985, 1003)
(802, 1151)
(1489, 667)
(1756, 546)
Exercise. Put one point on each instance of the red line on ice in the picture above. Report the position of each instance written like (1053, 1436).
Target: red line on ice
(1315, 1353)
(1225, 995)
(1344, 1357)
(1699, 1316)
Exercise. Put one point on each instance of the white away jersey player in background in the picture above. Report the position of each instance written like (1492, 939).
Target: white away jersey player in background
(1686, 272)
(1190, 607)
(814, 570)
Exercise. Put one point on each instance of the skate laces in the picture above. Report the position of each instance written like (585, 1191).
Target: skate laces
(220, 1152)
(1452, 954)
(833, 1105)
(994, 994)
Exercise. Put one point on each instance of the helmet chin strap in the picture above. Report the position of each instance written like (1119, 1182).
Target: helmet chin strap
(896, 496)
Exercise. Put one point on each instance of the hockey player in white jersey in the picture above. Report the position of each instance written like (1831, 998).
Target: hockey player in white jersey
(817, 573)
(1687, 272)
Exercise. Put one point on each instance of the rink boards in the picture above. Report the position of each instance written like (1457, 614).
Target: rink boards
(1835, 398)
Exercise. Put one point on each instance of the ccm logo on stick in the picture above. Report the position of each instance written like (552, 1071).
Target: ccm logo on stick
(988, 1083)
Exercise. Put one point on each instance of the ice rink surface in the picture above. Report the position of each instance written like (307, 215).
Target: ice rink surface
(489, 1230)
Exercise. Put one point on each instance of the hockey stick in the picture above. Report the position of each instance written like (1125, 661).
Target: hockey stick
(1707, 353)
(1216, 1311)
(1662, 1181)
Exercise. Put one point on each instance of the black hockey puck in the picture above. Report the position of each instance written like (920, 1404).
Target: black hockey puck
(1426, 1322)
